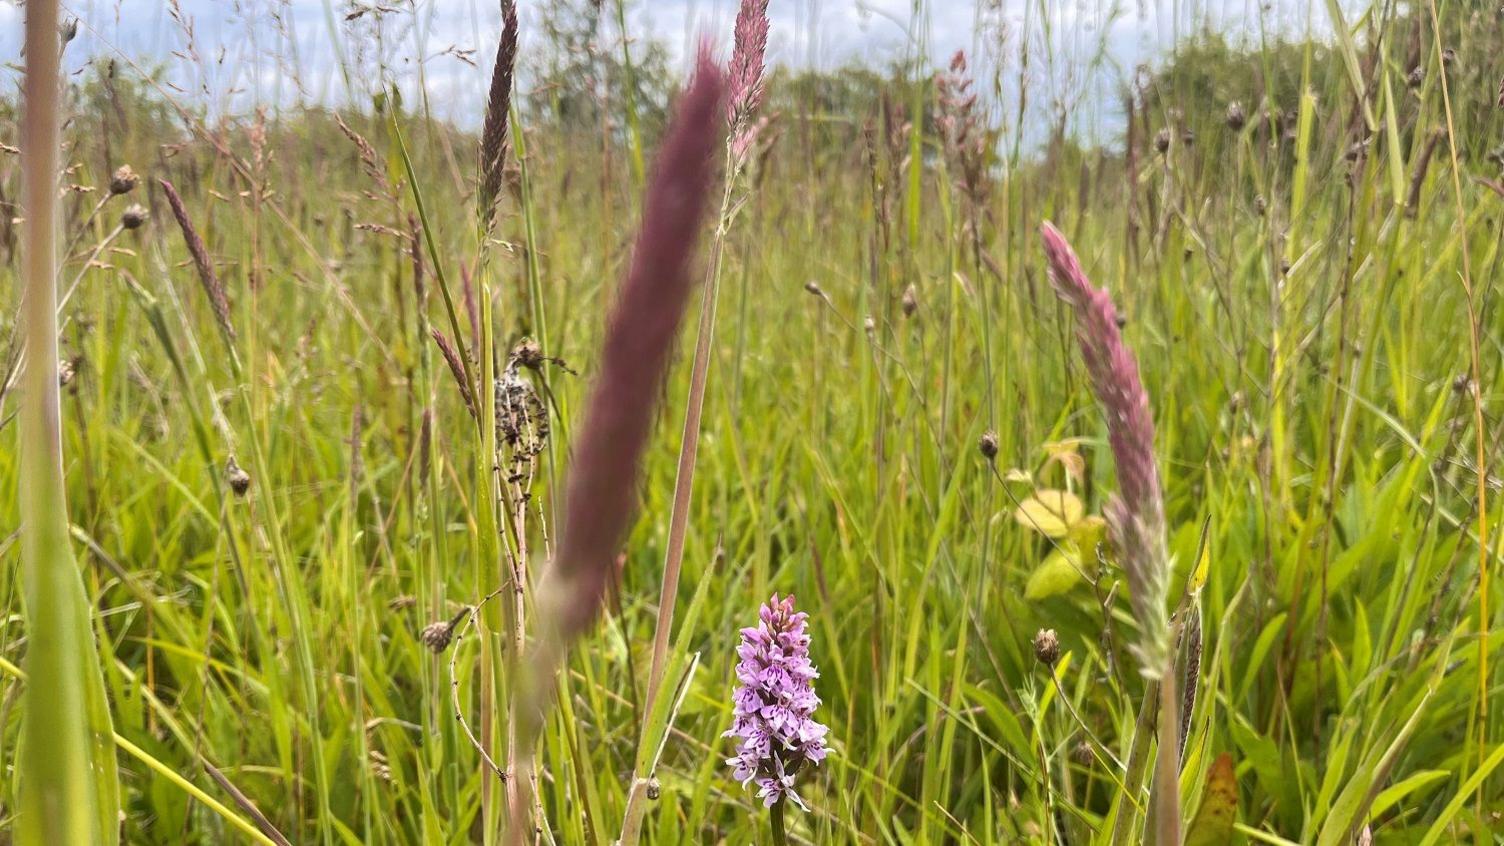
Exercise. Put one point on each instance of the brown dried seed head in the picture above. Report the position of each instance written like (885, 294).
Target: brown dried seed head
(1083, 754)
(124, 181)
(1236, 119)
(910, 300)
(1162, 140)
(1047, 647)
(65, 372)
(528, 354)
(133, 217)
(436, 636)
(987, 445)
(814, 288)
(239, 480)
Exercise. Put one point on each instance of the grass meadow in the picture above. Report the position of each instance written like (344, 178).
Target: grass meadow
(323, 602)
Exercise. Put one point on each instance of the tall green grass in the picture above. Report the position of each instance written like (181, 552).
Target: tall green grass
(1324, 383)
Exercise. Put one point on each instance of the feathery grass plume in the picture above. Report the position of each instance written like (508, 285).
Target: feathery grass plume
(600, 488)
(634, 359)
(206, 275)
(775, 703)
(493, 136)
(745, 81)
(1137, 514)
(65, 764)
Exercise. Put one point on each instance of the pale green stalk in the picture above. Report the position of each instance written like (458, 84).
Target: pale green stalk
(66, 762)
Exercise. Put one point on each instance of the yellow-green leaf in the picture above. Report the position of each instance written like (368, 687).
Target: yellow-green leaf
(1219, 806)
(1056, 574)
(1049, 512)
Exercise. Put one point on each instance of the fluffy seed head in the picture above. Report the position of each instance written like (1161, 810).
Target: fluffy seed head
(1136, 516)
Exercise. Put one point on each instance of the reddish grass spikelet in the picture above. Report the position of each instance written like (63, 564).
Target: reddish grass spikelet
(1136, 515)
(746, 75)
(457, 369)
(493, 138)
(206, 275)
(634, 359)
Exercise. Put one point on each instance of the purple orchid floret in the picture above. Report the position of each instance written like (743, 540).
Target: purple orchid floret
(774, 704)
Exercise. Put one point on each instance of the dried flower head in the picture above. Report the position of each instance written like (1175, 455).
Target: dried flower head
(1046, 647)
(238, 479)
(133, 217)
(910, 301)
(1236, 119)
(1136, 516)
(987, 445)
(775, 703)
(124, 181)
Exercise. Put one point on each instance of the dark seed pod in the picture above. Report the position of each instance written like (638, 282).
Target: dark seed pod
(1083, 754)
(910, 301)
(1047, 647)
(987, 445)
(1416, 76)
(124, 181)
(1236, 120)
(655, 789)
(436, 636)
(133, 217)
(528, 354)
(238, 479)
(1162, 140)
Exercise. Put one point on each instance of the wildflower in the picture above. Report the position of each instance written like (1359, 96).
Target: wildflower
(775, 703)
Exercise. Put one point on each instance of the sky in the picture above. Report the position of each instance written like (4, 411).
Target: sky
(249, 51)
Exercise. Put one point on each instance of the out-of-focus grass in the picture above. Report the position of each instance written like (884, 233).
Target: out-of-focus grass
(1304, 338)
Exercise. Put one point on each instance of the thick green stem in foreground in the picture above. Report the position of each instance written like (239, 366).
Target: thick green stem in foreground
(66, 773)
(780, 837)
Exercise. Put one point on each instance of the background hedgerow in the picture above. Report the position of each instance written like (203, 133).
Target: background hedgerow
(278, 494)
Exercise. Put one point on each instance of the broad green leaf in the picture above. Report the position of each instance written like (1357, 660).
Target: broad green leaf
(1059, 572)
(1051, 513)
